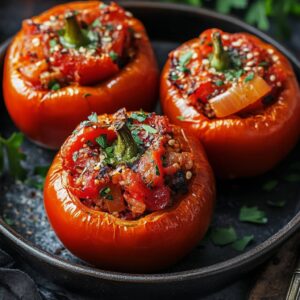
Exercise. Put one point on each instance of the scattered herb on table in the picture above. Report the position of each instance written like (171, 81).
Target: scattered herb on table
(242, 243)
(276, 203)
(223, 236)
(270, 185)
(252, 215)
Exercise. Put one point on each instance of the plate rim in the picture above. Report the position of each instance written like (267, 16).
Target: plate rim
(228, 265)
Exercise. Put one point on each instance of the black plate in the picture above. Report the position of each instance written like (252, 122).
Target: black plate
(205, 269)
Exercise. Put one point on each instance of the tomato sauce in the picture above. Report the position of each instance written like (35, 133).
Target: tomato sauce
(155, 168)
(83, 46)
(193, 76)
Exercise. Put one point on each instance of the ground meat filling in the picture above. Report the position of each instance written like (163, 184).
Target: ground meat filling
(76, 46)
(134, 165)
(194, 77)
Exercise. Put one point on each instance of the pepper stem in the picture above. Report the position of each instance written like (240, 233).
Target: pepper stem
(73, 37)
(220, 58)
(126, 149)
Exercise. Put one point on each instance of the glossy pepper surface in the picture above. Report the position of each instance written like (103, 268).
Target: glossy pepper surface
(238, 95)
(74, 59)
(131, 193)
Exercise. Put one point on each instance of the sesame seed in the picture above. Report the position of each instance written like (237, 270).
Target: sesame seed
(188, 175)
(250, 63)
(205, 61)
(171, 142)
(225, 37)
(128, 14)
(272, 77)
(270, 51)
(275, 58)
(96, 181)
(225, 48)
(279, 84)
(36, 42)
(119, 27)
(195, 55)
(247, 68)
(237, 43)
(249, 55)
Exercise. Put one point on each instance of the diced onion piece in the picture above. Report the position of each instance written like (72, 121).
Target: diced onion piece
(239, 96)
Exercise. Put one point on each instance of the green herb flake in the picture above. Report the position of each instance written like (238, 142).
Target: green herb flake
(157, 173)
(139, 116)
(252, 215)
(276, 203)
(174, 76)
(232, 74)
(263, 64)
(11, 147)
(185, 58)
(75, 156)
(293, 177)
(106, 193)
(223, 236)
(270, 185)
(8, 221)
(149, 129)
(93, 117)
(54, 85)
(96, 23)
(113, 55)
(249, 77)
(242, 243)
(219, 82)
(52, 44)
(102, 141)
(85, 95)
(181, 118)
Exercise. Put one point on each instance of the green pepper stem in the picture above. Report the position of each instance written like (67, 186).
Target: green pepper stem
(126, 149)
(220, 58)
(73, 37)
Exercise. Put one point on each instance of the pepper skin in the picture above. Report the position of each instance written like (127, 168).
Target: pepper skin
(47, 117)
(240, 146)
(155, 241)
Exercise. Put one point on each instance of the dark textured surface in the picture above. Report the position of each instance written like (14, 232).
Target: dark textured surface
(24, 206)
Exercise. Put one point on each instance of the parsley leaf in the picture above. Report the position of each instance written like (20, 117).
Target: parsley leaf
(184, 59)
(54, 85)
(102, 141)
(96, 23)
(93, 117)
(113, 55)
(231, 74)
(181, 118)
(242, 243)
(11, 147)
(249, 77)
(293, 177)
(219, 82)
(225, 6)
(223, 236)
(157, 173)
(148, 128)
(139, 116)
(252, 215)
(270, 185)
(106, 193)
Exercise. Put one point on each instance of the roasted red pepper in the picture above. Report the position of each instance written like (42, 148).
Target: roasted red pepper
(239, 95)
(130, 192)
(74, 59)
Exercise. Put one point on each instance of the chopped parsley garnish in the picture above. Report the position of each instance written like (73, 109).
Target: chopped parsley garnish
(249, 77)
(106, 193)
(293, 177)
(54, 85)
(231, 74)
(93, 117)
(184, 59)
(270, 185)
(223, 236)
(242, 243)
(113, 55)
(149, 129)
(174, 76)
(52, 44)
(181, 118)
(135, 135)
(157, 173)
(219, 82)
(139, 116)
(102, 141)
(252, 215)
(263, 64)
(75, 156)
(96, 23)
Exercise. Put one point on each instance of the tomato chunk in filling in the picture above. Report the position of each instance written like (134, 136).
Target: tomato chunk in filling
(128, 165)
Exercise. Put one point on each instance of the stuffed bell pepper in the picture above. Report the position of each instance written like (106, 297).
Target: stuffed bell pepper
(237, 94)
(74, 59)
(130, 192)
